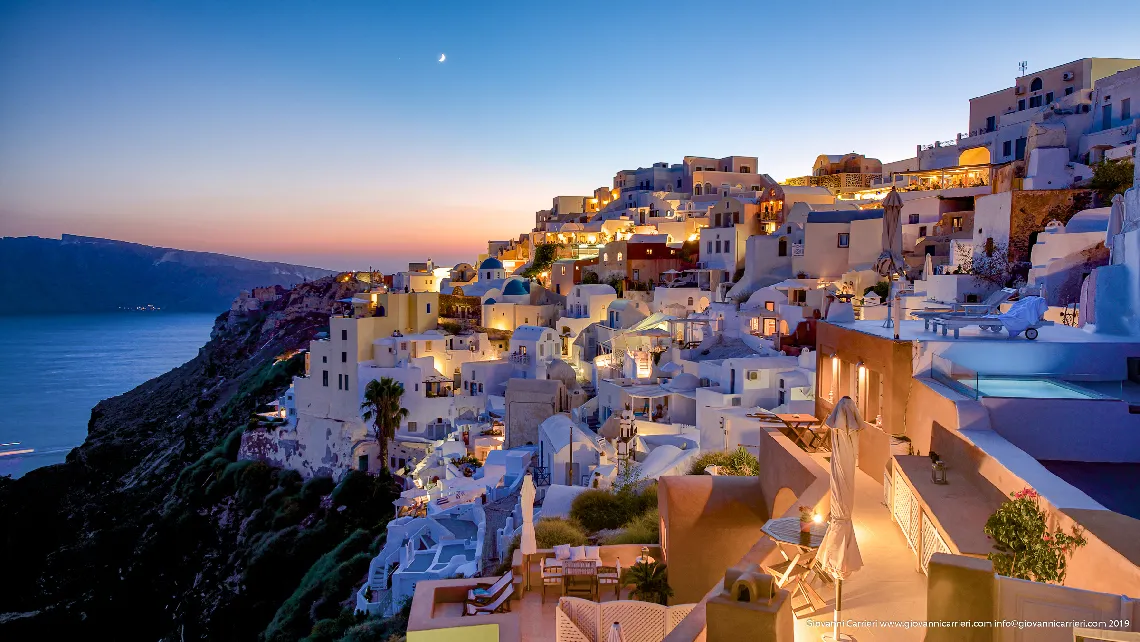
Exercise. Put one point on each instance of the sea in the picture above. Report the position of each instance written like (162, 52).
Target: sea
(56, 368)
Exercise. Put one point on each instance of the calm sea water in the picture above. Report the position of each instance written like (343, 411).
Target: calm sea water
(56, 368)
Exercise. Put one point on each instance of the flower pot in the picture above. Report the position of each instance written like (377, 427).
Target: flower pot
(805, 527)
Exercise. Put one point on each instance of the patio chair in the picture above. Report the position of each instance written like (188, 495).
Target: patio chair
(551, 575)
(608, 575)
(1026, 315)
(490, 591)
(794, 572)
(501, 604)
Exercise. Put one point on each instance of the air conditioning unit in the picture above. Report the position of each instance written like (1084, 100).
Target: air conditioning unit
(1019, 90)
(1068, 75)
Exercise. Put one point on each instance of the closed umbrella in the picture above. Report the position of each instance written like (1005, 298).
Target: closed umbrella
(839, 552)
(928, 267)
(614, 634)
(1115, 225)
(527, 545)
(890, 262)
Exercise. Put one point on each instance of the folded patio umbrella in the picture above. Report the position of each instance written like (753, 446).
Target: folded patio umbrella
(614, 634)
(839, 552)
(527, 544)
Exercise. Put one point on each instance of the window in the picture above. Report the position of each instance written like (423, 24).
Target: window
(991, 123)
(563, 268)
(690, 300)
(716, 220)
(325, 359)
(696, 190)
(325, 378)
(605, 256)
(619, 256)
(362, 463)
(1106, 116)
(344, 357)
(769, 326)
(799, 296)
(770, 306)
(782, 247)
(736, 217)
(921, 230)
(649, 251)
(417, 387)
(403, 346)
(844, 240)
(637, 275)
(429, 308)
(718, 247)
(380, 311)
(1007, 148)
(727, 246)
(344, 335)
(1019, 148)
(1068, 90)
(913, 219)
(427, 345)
(753, 375)
(412, 427)
(1126, 109)
(1048, 98)
(710, 247)
(956, 223)
(339, 378)
(1021, 105)
(1034, 101)
(1035, 85)
(480, 388)
(989, 246)
(744, 169)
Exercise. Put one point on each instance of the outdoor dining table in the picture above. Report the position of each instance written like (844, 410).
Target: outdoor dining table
(803, 427)
(785, 531)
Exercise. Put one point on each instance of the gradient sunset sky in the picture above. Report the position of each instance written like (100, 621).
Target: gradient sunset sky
(327, 134)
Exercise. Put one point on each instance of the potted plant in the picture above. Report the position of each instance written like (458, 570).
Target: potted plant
(806, 519)
(1025, 547)
(650, 582)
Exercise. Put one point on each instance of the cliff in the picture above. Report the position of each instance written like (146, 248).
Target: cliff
(152, 530)
(84, 274)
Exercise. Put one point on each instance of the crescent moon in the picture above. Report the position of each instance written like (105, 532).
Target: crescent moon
(442, 57)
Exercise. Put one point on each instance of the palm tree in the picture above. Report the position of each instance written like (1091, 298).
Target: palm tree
(382, 407)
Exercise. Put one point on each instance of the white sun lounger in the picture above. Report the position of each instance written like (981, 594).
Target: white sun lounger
(1027, 316)
(989, 306)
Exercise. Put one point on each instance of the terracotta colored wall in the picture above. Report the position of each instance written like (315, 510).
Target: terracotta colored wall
(891, 360)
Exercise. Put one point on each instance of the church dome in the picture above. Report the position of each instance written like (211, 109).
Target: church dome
(515, 287)
(491, 263)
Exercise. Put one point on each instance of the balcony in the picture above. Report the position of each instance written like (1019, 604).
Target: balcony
(520, 358)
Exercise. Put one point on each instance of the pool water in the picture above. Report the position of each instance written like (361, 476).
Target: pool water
(1026, 388)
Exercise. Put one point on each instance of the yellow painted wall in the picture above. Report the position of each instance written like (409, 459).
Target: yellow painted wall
(477, 633)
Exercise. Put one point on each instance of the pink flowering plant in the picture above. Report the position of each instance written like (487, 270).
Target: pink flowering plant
(805, 513)
(1024, 546)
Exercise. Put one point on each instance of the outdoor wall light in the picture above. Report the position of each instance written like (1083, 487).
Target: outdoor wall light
(817, 518)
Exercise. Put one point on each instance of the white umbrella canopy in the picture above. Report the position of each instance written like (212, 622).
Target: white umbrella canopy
(527, 544)
(928, 267)
(839, 551)
(614, 634)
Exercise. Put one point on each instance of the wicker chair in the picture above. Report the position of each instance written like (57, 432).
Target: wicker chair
(551, 575)
(610, 575)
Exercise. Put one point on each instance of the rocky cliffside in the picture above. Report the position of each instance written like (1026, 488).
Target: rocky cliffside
(151, 529)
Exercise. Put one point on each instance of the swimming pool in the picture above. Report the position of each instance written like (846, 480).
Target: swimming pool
(1025, 388)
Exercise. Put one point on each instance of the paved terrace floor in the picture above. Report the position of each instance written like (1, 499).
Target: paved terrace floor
(889, 587)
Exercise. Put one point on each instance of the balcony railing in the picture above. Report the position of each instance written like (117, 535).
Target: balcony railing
(520, 358)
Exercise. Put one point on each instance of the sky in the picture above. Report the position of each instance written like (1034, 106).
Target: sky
(328, 134)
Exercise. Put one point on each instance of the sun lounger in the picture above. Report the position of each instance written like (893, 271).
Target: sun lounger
(490, 592)
(501, 604)
(1026, 316)
(990, 306)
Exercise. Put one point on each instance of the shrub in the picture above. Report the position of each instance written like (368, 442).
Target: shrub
(1112, 177)
(331, 576)
(643, 529)
(553, 531)
(599, 509)
(1026, 548)
(739, 463)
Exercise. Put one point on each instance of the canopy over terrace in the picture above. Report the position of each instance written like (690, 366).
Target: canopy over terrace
(685, 330)
(652, 401)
